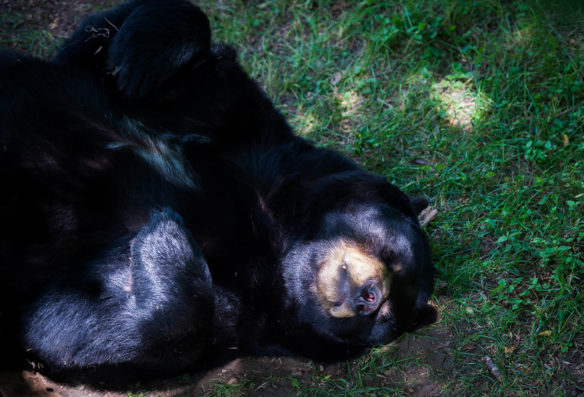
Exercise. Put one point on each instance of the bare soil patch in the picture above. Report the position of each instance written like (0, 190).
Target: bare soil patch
(430, 353)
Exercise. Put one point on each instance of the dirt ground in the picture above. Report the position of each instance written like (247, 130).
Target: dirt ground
(59, 16)
(266, 377)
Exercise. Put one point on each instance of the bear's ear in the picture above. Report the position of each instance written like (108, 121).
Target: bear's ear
(419, 203)
(157, 39)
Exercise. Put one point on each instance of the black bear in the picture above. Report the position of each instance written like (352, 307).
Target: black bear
(158, 213)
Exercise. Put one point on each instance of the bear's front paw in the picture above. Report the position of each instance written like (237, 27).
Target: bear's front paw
(164, 247)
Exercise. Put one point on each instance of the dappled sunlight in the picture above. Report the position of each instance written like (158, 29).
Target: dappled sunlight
(454, 96)
(459, 103)
(350, 105)
(349, 102)
(520, 38)
(305, 123)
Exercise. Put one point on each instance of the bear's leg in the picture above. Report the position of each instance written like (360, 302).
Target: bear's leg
(88, 46)
(141, 43)
(147, 303)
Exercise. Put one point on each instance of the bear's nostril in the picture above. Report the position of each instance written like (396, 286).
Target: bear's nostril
(368, 292)
(364, 309)
(368, 296)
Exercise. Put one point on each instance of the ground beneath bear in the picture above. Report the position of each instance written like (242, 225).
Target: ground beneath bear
(430, 352)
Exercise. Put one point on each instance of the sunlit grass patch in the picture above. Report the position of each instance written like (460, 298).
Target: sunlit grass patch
(458, 102)
(305, 123)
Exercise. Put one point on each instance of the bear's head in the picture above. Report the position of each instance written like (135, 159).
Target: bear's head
(362, 276)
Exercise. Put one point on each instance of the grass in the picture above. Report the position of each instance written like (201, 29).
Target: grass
(478, 105)
(36, 41)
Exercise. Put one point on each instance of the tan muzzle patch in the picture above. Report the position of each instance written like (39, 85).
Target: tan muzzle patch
(345, 269)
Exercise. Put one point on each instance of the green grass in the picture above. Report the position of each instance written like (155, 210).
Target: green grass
(478, 105)
(17, 31)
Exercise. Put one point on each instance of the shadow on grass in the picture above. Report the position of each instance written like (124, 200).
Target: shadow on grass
(409, 366)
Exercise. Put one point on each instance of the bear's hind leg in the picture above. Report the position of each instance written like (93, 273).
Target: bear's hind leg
(146, 303)
(142, 43)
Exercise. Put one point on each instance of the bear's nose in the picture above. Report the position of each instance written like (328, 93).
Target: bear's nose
(368, 298)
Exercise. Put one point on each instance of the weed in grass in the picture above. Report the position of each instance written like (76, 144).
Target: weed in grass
(227, 388)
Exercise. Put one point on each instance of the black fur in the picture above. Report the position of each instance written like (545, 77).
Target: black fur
(139, 113)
